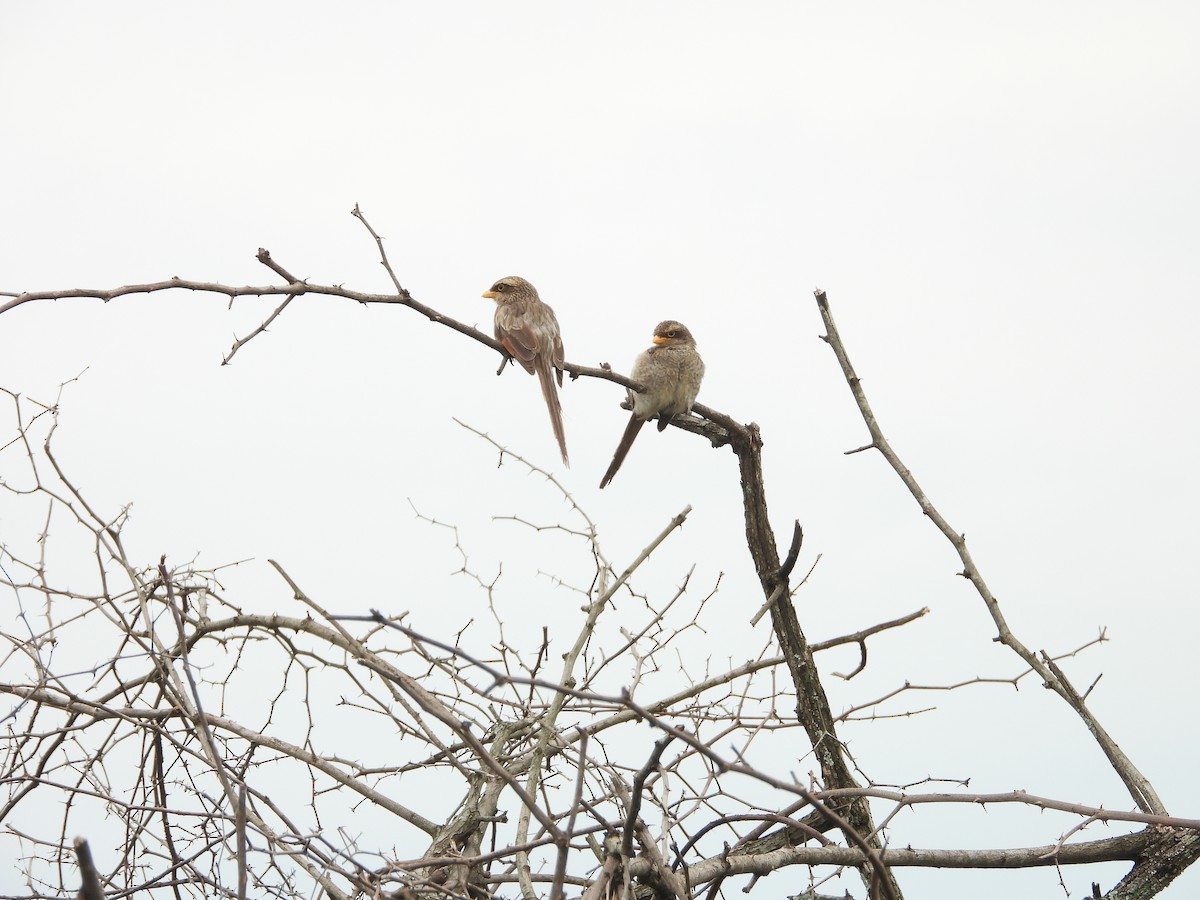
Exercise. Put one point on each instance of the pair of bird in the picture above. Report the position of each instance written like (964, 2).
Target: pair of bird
(670, 371)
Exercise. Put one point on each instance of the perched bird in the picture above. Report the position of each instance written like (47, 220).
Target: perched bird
(670, 371)
(528, 330)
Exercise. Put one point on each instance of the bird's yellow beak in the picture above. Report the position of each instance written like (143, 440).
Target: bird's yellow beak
(660, 340)
(491, 295)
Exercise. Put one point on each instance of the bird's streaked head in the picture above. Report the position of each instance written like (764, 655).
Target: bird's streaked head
(510, 288)
(671, 333)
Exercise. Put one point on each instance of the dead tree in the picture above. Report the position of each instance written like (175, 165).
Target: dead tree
(241, 787)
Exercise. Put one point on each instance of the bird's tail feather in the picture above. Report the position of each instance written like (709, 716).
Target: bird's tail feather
(631, 431)
(546, 379)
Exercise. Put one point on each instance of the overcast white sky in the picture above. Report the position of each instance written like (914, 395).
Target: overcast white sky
(1001, 201)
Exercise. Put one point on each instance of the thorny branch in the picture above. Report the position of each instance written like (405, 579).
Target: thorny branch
(162, 641)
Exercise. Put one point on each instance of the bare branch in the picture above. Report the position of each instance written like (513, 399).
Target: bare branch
(264, 257)
(131, 731)
(1139, 786)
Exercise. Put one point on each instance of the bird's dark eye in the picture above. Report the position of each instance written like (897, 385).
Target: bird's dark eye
(671, 333)
(499, 286)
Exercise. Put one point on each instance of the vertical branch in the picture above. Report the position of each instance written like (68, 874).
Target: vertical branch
(240, 825)
(91, 889)
(635, 800)
(812, 704)
(564, 849)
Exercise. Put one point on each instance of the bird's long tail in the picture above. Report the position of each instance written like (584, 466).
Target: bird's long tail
(550, 392)
(631, 431)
